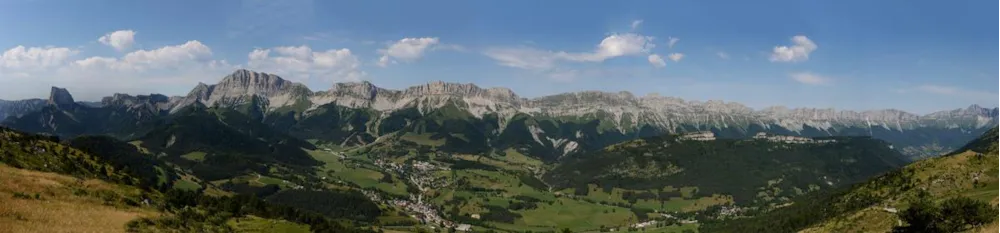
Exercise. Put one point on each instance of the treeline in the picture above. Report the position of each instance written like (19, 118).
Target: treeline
(213, 210)
(348, 204)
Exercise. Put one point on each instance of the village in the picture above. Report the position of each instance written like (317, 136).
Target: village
(709, 136)
(418, 173)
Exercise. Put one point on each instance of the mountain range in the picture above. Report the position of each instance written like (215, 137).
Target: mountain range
(468, 118)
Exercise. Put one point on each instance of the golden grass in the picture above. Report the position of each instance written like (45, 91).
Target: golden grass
(57, 209)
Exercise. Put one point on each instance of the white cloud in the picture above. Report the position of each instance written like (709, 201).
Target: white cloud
(636, 24)
(676, 57)
(723, 55)
(615, 45)
(168, 57)
(799, 50)
(656, 60)
(810, 78)
(612, 46)
(171, 69)
(22, 59)
(406, 49)
(671, 41)
(119, 40)
(302, 63)
(523, 57)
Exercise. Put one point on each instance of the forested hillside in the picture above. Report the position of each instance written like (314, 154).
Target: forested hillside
(952, 193)
(751, 171)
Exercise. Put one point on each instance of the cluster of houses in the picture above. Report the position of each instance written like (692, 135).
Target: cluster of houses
(698, 136)
(423, 212)
(417, 173)
(709, 136)
(789, 139)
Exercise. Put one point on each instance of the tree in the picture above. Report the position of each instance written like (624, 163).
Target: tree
(952, 215)
(566, 230)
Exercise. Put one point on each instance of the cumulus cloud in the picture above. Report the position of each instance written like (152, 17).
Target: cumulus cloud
(615, 45)
(656, 60)
(119, 40)
(676, 57)
(406, 49)
(799, 50)
(22, 58)
(671, 41)
(301, 63)
(172, 69)
(175, 56)
(636, 24)
(810, 78)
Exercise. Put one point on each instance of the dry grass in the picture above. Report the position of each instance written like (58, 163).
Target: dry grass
(989, 228)
(57, 208)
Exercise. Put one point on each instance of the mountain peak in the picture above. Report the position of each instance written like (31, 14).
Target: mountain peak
(60, 97)
(248, 77)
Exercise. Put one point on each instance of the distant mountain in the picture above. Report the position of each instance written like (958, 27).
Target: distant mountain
(467, 118)
(777, 167)
(62, 116)
(17, 108)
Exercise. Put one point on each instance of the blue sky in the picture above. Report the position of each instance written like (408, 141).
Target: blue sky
(919, 56)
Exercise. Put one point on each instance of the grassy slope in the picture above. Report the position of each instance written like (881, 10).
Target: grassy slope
(253, 224)
(944, 177)
(65, 203)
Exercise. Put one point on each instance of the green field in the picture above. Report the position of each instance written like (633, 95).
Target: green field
(186, 185)
(357, 173)
(196, 156)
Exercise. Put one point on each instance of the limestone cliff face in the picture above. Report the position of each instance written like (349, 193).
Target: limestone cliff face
(241, 87)
(60, 97)
(15, 108)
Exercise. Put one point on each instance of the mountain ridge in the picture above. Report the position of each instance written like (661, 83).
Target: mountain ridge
(270, 98)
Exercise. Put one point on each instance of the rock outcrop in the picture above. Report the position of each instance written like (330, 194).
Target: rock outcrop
(60, 97)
